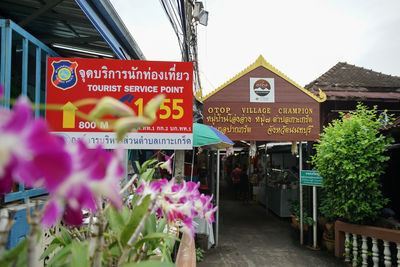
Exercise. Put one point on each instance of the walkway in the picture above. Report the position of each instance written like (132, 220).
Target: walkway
(249, 237)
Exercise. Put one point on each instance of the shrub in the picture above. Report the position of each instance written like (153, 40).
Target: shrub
(350, 158)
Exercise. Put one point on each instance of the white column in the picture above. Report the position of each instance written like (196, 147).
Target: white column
(347, 247)
(375, 252)
(364, 251)
(355, 250)
(386, 253)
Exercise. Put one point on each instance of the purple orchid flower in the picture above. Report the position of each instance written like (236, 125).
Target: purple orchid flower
(167, 164)
(26, 146)
(74, 175)
(94, 173)
(179, 202)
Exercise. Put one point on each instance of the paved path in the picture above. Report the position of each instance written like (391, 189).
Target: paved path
(249, 237)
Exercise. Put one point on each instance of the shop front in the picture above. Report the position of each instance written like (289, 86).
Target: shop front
(267, 115)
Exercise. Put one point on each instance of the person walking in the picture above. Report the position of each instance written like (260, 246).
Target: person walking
(236, 174)
(244, 186)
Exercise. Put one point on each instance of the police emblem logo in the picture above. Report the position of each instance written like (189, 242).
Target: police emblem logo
(64, 74)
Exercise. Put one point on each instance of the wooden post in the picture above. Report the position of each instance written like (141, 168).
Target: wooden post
(339, 241)
(179, 166)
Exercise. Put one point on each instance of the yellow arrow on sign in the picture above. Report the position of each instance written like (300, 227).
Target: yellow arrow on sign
(69, 115)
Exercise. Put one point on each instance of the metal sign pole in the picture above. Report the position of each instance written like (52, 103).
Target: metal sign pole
(217, 203)
(191, 170)
(314, 189)
(301, 192)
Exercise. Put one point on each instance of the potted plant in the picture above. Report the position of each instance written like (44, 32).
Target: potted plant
(326, 222)
(294, 208)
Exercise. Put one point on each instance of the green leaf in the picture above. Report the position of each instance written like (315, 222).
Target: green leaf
(155, 236)
(133, 203)
(65, 235)
(49, 250)
(150, 264)
(147, 175)
(115, 250)
(59, 241)
(22, 260)
(14, 254)
(126, 213)
(151, 225)
(60, 257)
(148, 163)
(80, 254)
(116, 219)
(138, 166)
(161, 225)
(135, 219)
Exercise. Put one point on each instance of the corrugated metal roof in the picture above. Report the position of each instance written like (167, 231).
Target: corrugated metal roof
(63, 23)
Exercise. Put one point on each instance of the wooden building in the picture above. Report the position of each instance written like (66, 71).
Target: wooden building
(262, 104)
(345, 85)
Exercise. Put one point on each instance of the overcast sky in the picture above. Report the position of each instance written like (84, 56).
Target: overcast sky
(302, 39)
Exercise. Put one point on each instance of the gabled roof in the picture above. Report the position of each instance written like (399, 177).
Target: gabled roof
(346, 77)
(261, 62)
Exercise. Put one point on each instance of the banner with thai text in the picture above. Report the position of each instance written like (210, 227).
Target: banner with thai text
(133, 82)
(264, 121)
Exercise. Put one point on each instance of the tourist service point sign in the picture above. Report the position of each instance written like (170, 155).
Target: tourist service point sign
(133, 82)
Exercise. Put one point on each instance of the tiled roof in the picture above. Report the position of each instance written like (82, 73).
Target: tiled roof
(346, 77)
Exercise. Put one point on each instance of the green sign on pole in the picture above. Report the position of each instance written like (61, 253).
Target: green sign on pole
(310, 178)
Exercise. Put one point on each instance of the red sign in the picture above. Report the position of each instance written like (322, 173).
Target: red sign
(133, 82)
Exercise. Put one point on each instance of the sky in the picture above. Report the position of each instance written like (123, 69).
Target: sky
(302, 39)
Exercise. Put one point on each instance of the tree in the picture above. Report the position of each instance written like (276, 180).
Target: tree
(350, 158)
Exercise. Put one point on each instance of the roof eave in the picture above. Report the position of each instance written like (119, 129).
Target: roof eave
(107, 22)
(261, 62)
(113, 19)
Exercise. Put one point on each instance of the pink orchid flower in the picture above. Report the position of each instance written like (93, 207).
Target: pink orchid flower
(27, 150)
(94, 173)
(179, 202)
(167, 164)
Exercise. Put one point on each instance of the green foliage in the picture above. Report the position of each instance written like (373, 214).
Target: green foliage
(71, 247)
(325, 207)
(16, 256)
(150, 264)
(199, 254)
(294, 208)
(137, 214)
(80, 254)
(350, 158)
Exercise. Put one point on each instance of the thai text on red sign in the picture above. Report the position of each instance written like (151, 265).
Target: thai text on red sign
(133, 82)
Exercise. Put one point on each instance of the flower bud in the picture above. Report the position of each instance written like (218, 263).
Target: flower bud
(127, 124)
(167, 164)
(112, 106)
(152, 107)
